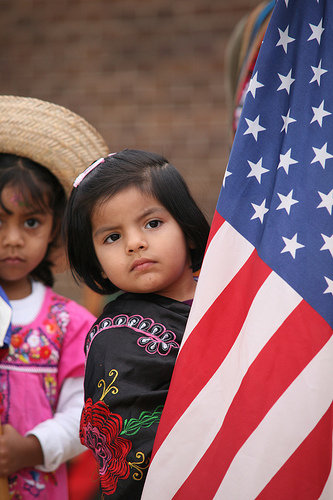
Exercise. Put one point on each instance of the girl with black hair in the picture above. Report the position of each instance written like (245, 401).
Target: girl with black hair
(132, 227)
(41, 376)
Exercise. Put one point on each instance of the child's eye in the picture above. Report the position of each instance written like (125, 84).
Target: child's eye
(31, 223)
(153, 223)
(112, 237)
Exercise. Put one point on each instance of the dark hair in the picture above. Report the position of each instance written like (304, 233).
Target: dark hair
(152, 174)
(41, 189)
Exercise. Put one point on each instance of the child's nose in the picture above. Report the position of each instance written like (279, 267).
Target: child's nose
(13, 236)
(135, 243)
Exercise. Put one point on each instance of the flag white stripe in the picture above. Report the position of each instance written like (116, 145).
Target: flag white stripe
(218, 270)
(209, 408)
(292, 418)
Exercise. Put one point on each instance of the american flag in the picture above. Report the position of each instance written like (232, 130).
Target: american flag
(249, 411)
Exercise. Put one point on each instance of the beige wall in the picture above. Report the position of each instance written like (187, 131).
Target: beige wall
(147, 74)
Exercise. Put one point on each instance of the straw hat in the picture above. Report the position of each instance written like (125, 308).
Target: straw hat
(49, 134)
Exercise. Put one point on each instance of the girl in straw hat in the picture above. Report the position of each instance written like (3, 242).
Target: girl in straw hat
(41, 377)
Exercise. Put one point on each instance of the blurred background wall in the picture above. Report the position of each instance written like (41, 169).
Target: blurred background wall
(148, 74)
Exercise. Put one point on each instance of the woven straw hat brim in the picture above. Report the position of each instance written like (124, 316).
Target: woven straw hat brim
(49, 134)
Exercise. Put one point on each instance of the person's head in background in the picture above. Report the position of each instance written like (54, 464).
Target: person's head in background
(134, 195)
(43, 147)
(32, 204)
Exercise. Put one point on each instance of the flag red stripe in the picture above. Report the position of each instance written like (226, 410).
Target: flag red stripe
(215, 226)
(304, 475)
(194, 373)
(278, 364)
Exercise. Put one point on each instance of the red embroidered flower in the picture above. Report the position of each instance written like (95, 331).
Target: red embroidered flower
(99, 431)
(45, 352)
(16, 340)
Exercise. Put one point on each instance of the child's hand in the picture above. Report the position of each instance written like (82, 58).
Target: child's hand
(17, 451)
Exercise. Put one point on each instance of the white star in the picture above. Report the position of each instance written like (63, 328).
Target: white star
(259, 211)
(257, 170)
(286, 121)
(284, 39)
(254, 85)
(317, 73)
(329, 282)
(317, 31)
(286, 161)
(254, 127)
(291, 245)
(286, 82)
(326, 201)
(286, 201)
(328, 245)
(321, 155)
(319, 114)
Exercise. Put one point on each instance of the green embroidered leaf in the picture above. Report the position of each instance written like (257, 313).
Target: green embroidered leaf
(146, 419)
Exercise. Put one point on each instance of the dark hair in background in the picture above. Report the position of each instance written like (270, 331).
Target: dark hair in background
(40, 189)
(152, 174)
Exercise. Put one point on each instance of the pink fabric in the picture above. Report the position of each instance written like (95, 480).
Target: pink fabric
(41, 356)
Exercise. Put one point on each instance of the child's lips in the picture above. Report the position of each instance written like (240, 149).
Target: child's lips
(141, 264)
(12, 260)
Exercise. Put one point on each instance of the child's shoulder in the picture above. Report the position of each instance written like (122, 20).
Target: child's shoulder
(74, 309)
(146, 314)
(144, 304)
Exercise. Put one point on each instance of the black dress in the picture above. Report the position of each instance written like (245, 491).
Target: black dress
(131, 352)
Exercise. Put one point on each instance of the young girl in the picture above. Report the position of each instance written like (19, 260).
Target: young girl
(132, 226)
(41, 378)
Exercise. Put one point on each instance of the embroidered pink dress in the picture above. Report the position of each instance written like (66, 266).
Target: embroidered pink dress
(41, 357)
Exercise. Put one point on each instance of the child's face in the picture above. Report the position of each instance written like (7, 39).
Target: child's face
(140, 246)
(25, 235)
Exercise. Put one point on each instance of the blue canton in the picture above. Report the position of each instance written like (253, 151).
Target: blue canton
(278, 187)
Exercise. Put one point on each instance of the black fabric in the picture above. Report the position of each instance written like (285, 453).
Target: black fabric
(131, 351)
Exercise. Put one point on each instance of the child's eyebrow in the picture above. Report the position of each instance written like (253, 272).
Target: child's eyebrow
(34, 211)
(26, 213)
(145, 213)
(151, 210)
(103, 229)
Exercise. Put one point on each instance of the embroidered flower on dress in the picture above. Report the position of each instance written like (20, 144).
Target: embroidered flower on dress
(99, 431)
(160, 343)
(32, 484)
(16, 339)
(157, 338)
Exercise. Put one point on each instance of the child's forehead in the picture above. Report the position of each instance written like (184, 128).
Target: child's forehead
(14, 197)
(130, 197)
(129, 203)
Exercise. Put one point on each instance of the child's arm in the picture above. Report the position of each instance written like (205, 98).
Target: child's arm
(17, 451)
(51, 442)
(59, 436)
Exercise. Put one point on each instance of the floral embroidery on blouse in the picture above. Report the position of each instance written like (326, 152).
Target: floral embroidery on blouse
(154, 337)
(100, 431)
(40, 346)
